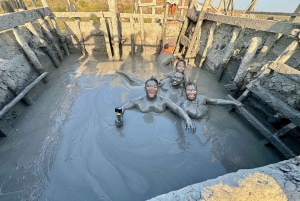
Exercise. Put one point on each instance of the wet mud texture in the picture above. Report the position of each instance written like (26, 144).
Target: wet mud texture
(66, 146)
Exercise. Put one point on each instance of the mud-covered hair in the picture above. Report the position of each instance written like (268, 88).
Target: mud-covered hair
(166, 46)
(181, 60)
(151, 79)
(189, 84)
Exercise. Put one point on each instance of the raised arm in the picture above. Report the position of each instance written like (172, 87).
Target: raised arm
(215, 101)
(121, 110)
(179, 111)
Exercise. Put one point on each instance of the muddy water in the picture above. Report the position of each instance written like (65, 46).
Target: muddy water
(66, 147)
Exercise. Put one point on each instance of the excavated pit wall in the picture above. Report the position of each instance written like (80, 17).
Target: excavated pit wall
(279, 85)
(17, 67)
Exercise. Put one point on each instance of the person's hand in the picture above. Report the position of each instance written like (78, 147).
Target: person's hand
(119, 123)
(190, 127)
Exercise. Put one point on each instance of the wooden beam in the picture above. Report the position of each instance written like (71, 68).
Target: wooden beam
(132, 23)
(28, 51)
(185, 41)
(286, 70)
(275, 13)
(262, 25)
(287, 152)
(98, 14)
(10, 20)
(283, 108)
(22, 94)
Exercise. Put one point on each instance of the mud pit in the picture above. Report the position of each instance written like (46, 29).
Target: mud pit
(77, 153)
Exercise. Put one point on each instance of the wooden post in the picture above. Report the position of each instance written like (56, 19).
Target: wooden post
(32, 57)
(115, 29)
(61, 37)
(45, 4)
(208, 43)
(242, 71)
(33, 3)
(220, 6)
(153, 11)
(142, 33)
(258, 63)
(229, 52)
(43, 43)
(44, 25)
(181, 10)
(196, 37)
(103, 28)
(296, 12)
(132, 35)
(183, 29)
(164, 26)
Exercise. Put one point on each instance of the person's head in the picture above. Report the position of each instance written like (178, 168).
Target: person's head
(170, 46)
(151, 88)
(191, 91)
(177, 79)
(180, 66)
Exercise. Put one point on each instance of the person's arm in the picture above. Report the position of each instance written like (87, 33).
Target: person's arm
(121, 110)
(215, 101)
(179, 111)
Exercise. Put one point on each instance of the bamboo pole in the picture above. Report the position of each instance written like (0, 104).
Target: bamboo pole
(34, 3)
(44, 2)
(32, 57)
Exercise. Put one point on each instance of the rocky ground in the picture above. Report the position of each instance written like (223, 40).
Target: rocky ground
(280, 181)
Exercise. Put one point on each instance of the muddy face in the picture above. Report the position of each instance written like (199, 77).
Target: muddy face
(191, 92)
(177, 79)
(180, 67)
(151, 89)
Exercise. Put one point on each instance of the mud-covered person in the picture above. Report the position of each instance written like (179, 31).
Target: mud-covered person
(152, 102)
(179, 67)
(166, 57)
(196, 106)
(173, 88)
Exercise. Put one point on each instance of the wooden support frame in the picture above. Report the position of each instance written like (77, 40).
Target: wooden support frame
(276, 142)
(103, 28)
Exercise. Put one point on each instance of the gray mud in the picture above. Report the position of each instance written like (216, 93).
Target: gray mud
(66, 146)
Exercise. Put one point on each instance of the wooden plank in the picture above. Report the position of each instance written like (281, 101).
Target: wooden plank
(283, 108)
(142, 33)
(184, 40)
(286, 70)
(287, 152)
(10, 20)
(262, 25)
(283, 131)
(275, 13)
(98, 14)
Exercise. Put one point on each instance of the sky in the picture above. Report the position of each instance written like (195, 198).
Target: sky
(287, 6)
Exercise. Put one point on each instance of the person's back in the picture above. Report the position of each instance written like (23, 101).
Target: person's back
(166, 56)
